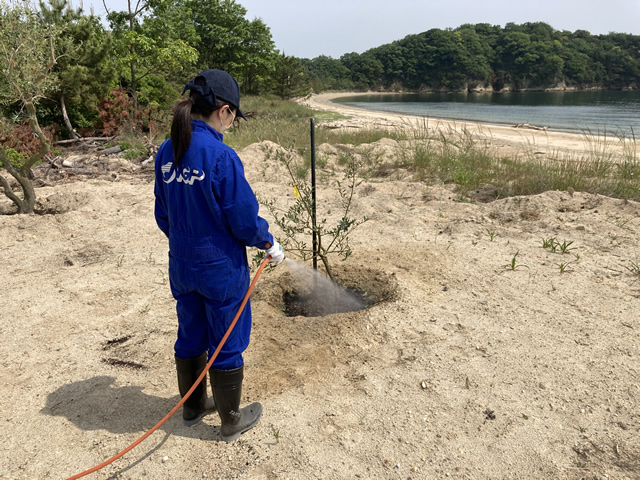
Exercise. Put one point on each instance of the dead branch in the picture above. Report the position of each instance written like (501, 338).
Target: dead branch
(532, 127)
(84, 139)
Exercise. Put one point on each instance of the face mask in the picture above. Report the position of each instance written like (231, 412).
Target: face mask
(227, 127)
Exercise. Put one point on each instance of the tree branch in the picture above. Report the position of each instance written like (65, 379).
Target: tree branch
(45, 145)
(51, 64)
(8, 192)
(84, 139)
(139, 8)
(4, 159)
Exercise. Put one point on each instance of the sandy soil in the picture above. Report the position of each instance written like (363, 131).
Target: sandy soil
(464, 368)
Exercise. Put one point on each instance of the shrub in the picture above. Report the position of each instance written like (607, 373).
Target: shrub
(21, 138)
(15, 157)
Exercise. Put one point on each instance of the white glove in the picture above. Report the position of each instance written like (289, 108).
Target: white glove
(276, 252)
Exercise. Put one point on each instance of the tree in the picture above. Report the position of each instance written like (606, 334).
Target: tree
(366, 69)
(258, 57)
(517, 57)
(529, 55)
(153, 44)
(222, 28)
(297, 221)
(326, 73)
(289, 79)
(230, 42)
(478, 55)
(84, 65)
(392, 58)
(27, 58)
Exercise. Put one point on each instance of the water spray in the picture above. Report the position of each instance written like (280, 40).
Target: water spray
(318, 295)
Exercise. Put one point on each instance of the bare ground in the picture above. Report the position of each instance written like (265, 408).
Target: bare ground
(470, 365)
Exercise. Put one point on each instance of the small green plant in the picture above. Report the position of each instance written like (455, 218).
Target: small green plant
(526, 417)
(322, 161)
(492, 235)
(513, 265)
(120, 261)
(144, 310)
(164, 276)
(554, 245)
(276, 433)
(563, 266)
(564, 246)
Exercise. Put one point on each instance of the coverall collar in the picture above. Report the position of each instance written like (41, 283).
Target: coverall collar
(202, 126)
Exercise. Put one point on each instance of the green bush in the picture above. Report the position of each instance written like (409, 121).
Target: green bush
(16, 158)
(135, 154)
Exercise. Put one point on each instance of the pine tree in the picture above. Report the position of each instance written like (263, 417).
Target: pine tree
(85, 67)
(289, 79)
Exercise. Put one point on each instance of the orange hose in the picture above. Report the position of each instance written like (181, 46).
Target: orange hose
(193, 387)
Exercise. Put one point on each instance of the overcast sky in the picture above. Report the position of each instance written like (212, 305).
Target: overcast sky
(334, 27)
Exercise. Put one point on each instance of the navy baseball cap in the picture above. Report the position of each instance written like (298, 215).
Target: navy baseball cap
(219, 85)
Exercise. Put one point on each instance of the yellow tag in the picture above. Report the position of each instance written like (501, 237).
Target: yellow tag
(296, 192)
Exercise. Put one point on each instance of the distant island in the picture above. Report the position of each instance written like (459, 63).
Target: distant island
(486, 58)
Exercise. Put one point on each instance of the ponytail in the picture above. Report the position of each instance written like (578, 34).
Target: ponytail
(181, 130)
(196, 104)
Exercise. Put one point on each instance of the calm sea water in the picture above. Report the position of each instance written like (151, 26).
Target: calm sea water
(603, 111)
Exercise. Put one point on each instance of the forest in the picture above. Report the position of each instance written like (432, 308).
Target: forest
(486, 57)
(85, 75)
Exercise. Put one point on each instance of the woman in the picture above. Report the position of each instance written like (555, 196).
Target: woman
(210, 214)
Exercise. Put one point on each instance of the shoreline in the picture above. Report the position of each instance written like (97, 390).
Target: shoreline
(503, 138)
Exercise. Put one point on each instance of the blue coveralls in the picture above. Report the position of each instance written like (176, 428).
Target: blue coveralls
(210, 214)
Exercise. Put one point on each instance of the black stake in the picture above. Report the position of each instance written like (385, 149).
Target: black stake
(313, 195)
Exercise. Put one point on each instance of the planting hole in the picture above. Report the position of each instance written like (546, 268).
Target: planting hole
(320, 301)
(311, 294)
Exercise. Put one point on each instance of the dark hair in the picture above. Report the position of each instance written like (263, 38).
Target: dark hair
(181, 125)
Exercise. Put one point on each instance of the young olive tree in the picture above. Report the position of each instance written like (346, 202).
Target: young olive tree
(27, 58)
(296, 222)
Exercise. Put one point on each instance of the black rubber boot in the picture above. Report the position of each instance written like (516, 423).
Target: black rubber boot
(227, 389)
(197, 405)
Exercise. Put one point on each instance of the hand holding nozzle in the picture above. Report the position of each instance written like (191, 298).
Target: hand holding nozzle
(276, 252)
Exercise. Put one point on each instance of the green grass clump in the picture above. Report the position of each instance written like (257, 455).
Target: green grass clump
(457, 158)
(134, 154)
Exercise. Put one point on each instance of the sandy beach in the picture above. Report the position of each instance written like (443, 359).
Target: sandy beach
(484, 354)
(505, 140)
